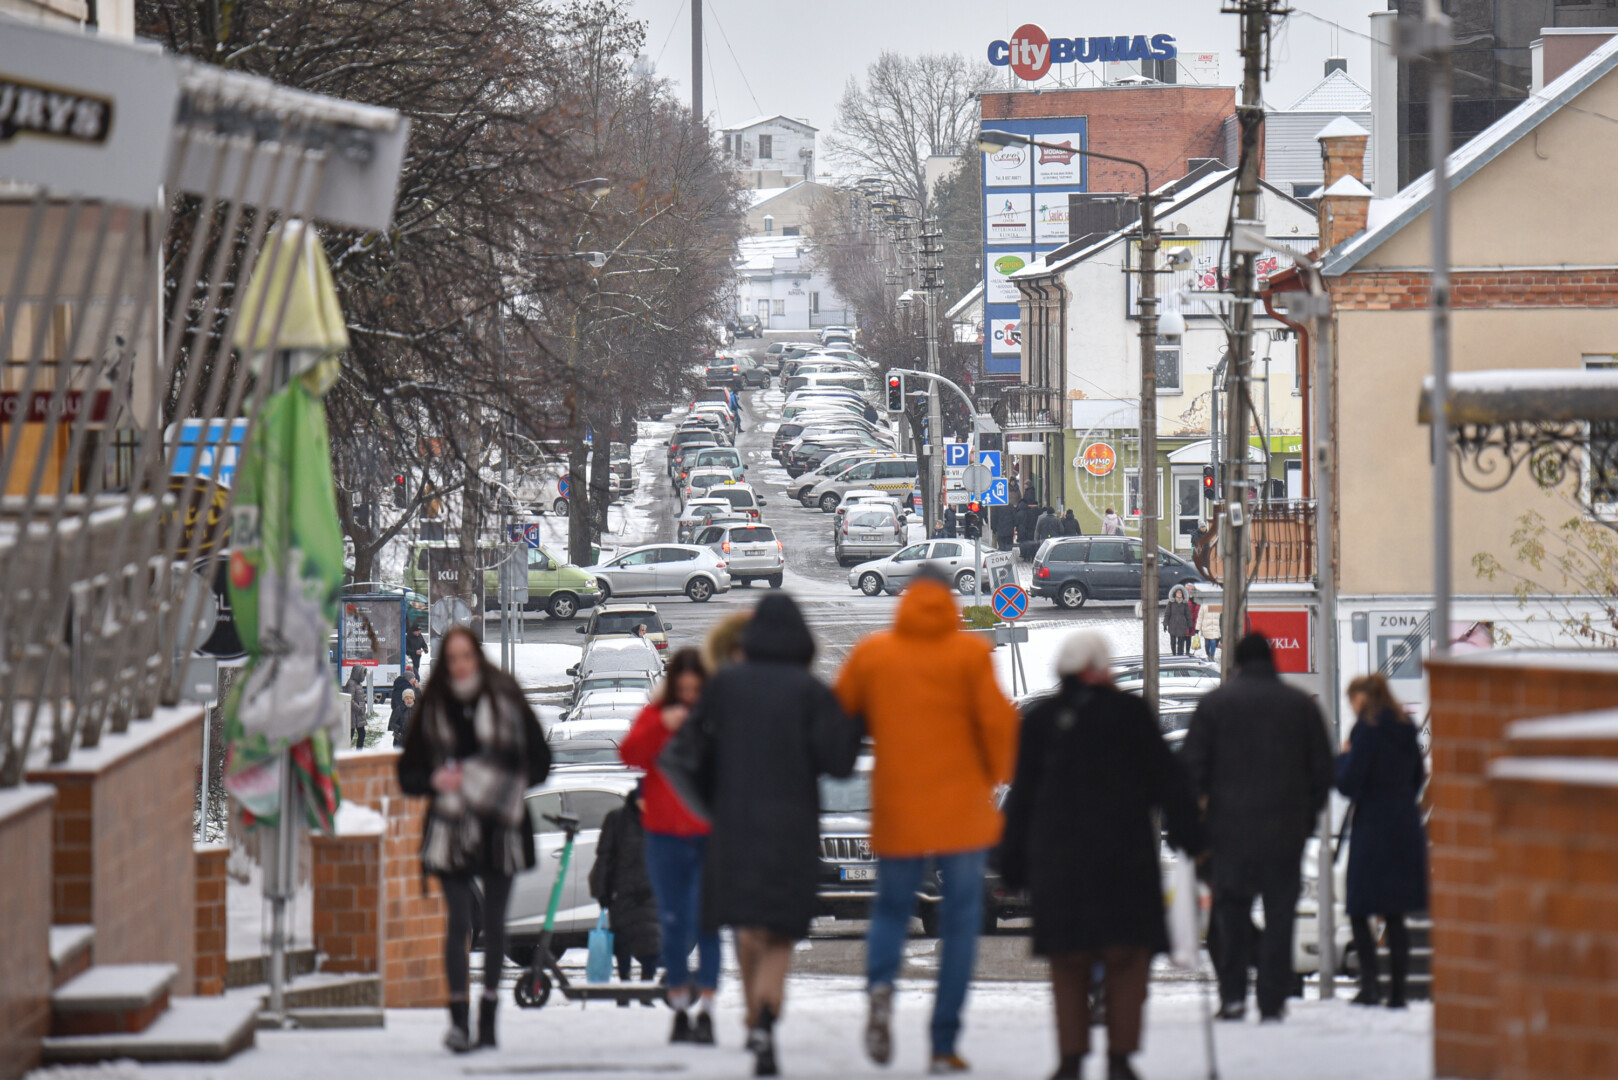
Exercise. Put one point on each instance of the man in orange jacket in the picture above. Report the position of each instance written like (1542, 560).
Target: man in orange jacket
(945, 738)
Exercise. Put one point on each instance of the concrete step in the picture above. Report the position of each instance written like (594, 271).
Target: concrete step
(328, 1018)
(72, 951)
(109, 999)
(252, 970)
(193, 1029)
(321, 990)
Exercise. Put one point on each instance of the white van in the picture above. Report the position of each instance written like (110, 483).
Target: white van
(895, 474)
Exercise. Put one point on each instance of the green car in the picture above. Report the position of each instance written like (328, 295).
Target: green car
(554, 586)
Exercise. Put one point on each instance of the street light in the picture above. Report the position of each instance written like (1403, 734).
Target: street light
(991, 141)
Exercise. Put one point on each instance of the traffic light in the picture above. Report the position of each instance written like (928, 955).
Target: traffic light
(896, 393)
(1208, 482)
(401, 492)
(974, 520)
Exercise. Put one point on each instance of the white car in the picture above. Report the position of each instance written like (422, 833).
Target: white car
(594, 704)
(610, 727)
(890, 575)
(618, 656)
(699, 480)
(664, 570)
(895, 475)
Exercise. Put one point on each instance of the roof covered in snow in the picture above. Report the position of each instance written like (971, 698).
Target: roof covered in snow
(760, 252)
(1336, 93)
(757, 120)
(1584, 772)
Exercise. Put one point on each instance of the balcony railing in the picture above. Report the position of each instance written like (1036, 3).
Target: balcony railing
(1281, 544)
(1025, 409)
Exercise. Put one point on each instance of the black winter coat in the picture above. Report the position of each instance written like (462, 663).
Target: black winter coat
(1047, 526)
(619, 882)
(1027, 522)
(1070, 525)
(1257, 751)
(772, 731)
(1080, 835)
(1004, 522)
(1387, 858)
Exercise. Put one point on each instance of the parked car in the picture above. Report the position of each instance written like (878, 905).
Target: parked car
(696, 482)
(774, 352)
(723, 372)
(1071, 571)
(554, 586)
(867, 531)
(834, 464)
(751, 550)
(1181, 681)
(707, 511)
(720, 457)
(663, 570)
(832, 334)
(753, 374)
(614, 680)
(596, 725)
(616, 702)
(621, 620)
(866, 498)
(593, 755)
(749, 326)
(953, 557)
(742, 498)
(687, 438)
(896, 475)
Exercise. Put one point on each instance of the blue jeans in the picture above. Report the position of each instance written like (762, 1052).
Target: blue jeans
(674, 864)
(960, 919)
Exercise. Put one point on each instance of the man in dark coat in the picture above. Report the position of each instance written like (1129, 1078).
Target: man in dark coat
(1027, 524)
(949, 523)
(1092, 768)
(1003, 519)
(1070, 525)
(415, 645)
(1258, 753)
(620, 883)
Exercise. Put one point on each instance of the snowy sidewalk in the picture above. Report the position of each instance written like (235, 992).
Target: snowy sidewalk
(1009, 1033)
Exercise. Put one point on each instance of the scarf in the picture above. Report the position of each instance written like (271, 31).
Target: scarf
(489, 806)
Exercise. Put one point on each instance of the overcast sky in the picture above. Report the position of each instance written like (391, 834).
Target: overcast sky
(795, 58)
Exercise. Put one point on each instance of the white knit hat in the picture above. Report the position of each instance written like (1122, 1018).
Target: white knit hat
(1081, 651)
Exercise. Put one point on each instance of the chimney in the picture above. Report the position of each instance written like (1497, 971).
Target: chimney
(1562, 47)
(1342, 209)
(1336, 63)
(1384, 151)
(1342, 150)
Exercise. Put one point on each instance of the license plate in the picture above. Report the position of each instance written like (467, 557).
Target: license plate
(755, 551)
(859, 873)
(870, 536)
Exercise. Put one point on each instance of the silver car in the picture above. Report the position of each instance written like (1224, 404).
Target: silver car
(628, 656)
(867, 531)
(663, 570)
(889, 575)
(752, 551)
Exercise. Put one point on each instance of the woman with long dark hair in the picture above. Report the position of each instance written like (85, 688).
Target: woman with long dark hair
(473, 748)
(1381, 769)
(676, 842)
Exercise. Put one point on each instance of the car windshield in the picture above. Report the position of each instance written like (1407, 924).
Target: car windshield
(615, 682)
(624, 622)
(736, 498)
(871, 519)
(564, 754)
(850, 796)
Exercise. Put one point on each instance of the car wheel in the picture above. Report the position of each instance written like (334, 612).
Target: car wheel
(559, 508)
(744, 582)
(606, 590)
(807, 500)
(966, 582)
(776, 581)
(1072, 596)
(563, 605)
(699, 590)
(870, 583)
(828, 503)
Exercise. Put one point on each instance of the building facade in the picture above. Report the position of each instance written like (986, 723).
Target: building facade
(778, 280)
(1291, 154)
(772, 144)
(783, 211)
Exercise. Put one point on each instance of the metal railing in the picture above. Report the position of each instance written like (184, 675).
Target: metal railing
(1281, 538)
(1030, 408)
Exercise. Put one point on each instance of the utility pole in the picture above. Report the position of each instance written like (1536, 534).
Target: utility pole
(1233, 524)
(931, 267)
(1150, 241)
(696, 60)
(1435, 35)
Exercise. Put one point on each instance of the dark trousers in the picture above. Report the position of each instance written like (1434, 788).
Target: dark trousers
(626, 964)
(1126, 969)
(1275, 881)
(1179, 646)
(1398, 954)
(459, 898)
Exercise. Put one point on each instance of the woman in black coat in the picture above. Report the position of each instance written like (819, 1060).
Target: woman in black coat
(620, 883)
(1080, 835)
(764, 733)
(1381, 769)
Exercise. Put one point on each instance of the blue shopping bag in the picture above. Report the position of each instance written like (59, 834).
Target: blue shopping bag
(599, 967)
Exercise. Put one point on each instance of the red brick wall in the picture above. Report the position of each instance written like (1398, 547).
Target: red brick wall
(1473, 700)
(1162, 127)
(412, 922)
(1406, 290)
(123, 857)
(25, 926)
(210, 918)
(347, 908)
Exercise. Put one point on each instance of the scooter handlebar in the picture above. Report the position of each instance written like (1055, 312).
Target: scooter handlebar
(568, 823)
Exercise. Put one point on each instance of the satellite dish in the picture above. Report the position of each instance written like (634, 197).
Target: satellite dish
(448, 611)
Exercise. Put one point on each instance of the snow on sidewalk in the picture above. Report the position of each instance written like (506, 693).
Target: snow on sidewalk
(1009, 1033)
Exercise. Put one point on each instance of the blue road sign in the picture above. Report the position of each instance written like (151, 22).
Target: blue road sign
(991, 458)
(562, 486)
(997, 495)
(1010, 602)
(524, 534)
(955, 455)
(220, 442)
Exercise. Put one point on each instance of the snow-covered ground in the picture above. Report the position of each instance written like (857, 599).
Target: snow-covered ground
(1009, 1032)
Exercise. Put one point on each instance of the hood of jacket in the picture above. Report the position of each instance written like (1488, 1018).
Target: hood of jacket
(927, 610)
(777, 633)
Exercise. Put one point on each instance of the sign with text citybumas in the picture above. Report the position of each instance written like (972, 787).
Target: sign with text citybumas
(1031, 52)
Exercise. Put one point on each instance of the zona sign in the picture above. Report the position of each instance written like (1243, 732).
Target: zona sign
(1099, 459)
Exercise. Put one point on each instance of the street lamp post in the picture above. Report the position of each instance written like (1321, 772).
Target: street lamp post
(990, 141)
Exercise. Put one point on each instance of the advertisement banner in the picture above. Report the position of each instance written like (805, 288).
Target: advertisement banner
(1005, 337)
(1010, 166)
(1288, 633)
(1008, 218)
(1001, 289)
(1050, 217)
(1058, 168)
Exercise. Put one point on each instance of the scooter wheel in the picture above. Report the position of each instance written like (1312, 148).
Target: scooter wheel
(533, 989)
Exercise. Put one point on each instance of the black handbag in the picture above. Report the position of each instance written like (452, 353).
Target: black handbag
(687, 763)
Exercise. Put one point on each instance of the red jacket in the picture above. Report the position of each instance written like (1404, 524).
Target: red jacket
(661, 809)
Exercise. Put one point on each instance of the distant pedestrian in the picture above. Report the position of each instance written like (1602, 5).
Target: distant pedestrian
(945, 739)
(399, 721)
(473, 747)
(1092, 771)
(405, 680)
(1258, 754)
(1027, 526)
(763, 734)
(870, 414)
(1047, 526)
(1199, 538)
(1070, 525)
(1208, 620)
(415, 645)
(736, 408)
(1177, 621)
(620, 884)
(1003, 520)
(676, 843)
(949, 523)
(1381, 770)
(1111, 523)
(357, 705)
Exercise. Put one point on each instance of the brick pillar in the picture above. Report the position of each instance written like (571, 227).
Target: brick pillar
(347, 911)
(1474, 699)
(211, 930)
(25, 925)
(1342, 150)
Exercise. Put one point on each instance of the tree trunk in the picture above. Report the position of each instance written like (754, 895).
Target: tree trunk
(578, 500)
(600, 478)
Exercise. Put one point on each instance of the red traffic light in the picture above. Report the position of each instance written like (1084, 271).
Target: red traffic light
(894, 382)
(972, 506)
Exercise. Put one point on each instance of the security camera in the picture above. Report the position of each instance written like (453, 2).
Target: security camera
(1179, 258)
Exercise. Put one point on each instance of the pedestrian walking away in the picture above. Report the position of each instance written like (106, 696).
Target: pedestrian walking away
(1004, 522)
(1208, 626)
(1111, 523)
(1178, 622)
(473, 747)
(358, 706)
(1258, 755)
(1081, 836)
(620, 883)
(1047, 526)
(415, 645)
(676, 843)
(1070, 525)
(1382, 771)
(399, 721)
(1027, 528)
(752, 753)
(949, 523)
(945, 739)
(736, 410)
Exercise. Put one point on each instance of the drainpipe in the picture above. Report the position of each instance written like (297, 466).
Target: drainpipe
(1304, 384)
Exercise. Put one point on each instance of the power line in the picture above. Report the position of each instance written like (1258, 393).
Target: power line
(707, 47)
(733, 58)
(675, 25)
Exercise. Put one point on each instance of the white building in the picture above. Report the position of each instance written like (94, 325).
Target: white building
(772, 144)
(777, 280)
(1291, 154)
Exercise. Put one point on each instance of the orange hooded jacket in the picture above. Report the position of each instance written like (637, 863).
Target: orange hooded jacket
(945, 736)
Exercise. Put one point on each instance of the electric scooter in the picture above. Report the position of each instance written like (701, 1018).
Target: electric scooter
(543, 973)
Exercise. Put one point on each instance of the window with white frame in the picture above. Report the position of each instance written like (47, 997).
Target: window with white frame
(1132, 494)
(1168, 370)
(765, 147)
(780, 307)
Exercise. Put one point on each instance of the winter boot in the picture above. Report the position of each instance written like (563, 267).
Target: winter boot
(1071, 1067)
(761, 1040)
(486, 1008)
(682, 1027)
(947, 1065)
(457, 1039)
(1118, 1068)
(1232, 1010)
(878, 1028)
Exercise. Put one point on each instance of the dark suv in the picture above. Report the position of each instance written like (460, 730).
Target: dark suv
(1074, 570)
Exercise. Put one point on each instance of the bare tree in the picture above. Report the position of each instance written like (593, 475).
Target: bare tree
(910, 107)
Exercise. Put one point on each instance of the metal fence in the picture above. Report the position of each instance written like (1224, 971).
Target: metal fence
(1282, 543)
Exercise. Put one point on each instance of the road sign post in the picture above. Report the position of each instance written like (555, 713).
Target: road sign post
(1010, 603)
